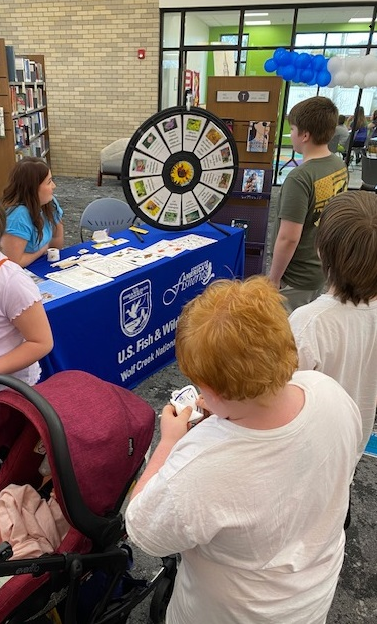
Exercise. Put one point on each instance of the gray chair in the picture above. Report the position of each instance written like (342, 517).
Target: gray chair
(106, 213)
(369, 174)
(111, 159)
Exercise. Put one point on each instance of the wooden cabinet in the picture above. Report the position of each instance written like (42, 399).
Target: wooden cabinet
(245, 101)
(24, 101)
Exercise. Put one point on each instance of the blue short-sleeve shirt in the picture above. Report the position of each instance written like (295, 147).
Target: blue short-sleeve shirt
(19, 224)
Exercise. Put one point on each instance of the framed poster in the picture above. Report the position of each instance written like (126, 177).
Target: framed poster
(179, 168)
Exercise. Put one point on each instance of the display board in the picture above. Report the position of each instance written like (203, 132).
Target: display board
(249, 106)
(179, 168)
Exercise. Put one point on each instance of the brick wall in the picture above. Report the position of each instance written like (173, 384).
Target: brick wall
(97, 88)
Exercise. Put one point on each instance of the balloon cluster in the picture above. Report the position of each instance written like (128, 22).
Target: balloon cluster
(305, 68)
(351, 71)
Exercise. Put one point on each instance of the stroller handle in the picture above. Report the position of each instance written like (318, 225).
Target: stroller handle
(102, 531)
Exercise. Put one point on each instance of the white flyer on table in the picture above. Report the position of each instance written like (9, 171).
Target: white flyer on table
(112, 267)
(194, 241)
(79, 277)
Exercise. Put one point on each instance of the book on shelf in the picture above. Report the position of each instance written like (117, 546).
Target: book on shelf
(39, 75)
(39, 97)
(19, 63)
(33, 73)
(21, 132)
(29, 92)
(257, 136)
(21, 102)
(27, 74)
(41, 121)
(39, 146)
(11, 63)
(252, 180)
(14, 90)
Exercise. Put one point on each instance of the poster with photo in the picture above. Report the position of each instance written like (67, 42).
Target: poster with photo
(142, 165)
(172, 210)
(171, 130)
(192, 210)
(221, 157)
(252, 181)
(207, 198)
(257, 136)
(212, 137)
(192, 128)
(143, 187)
(220, 179)
(152, 143)
(154, 205)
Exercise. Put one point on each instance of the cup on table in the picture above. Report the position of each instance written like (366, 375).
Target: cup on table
(53, 254)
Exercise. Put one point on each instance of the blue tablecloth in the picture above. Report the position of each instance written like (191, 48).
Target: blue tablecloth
(124, 331)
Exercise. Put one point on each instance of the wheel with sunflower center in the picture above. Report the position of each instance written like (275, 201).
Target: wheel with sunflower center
(179, 168)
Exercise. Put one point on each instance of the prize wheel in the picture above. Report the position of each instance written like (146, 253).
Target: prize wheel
(179, 168)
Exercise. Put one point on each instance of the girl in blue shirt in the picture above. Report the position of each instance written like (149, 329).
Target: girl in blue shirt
(34, 217)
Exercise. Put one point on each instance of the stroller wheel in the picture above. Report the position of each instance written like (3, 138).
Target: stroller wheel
(160, 600)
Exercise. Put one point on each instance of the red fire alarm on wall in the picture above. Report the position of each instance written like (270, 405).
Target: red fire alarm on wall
(141, 53)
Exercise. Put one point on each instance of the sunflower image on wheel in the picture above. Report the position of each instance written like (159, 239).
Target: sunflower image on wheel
(182, 173)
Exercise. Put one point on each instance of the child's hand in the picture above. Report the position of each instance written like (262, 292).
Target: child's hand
(174, 427)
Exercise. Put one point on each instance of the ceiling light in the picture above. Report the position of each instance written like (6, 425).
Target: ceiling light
(256, 14)
(258, 23)
(359, 20)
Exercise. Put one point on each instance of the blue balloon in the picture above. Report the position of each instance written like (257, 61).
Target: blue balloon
(318, 62)
(307, 75)
(313, 81)
(270, 65)
(280, 70)
(297, 77)
(303, 61)
(323, 78)
(289, 72)
(278, 54)
(285, 59)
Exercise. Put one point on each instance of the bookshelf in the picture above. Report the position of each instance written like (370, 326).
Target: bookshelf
(24, 102)
(241, 100)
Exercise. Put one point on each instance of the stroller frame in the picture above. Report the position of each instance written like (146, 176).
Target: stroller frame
(104, 532)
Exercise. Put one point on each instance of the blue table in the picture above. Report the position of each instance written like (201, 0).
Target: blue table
(93, 330)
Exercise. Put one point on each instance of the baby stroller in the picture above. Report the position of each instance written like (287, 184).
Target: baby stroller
(95, 436)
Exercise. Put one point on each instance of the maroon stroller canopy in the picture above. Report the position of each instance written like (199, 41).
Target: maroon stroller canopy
(107, 430)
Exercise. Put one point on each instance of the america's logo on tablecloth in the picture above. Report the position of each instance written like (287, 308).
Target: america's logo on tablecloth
(135, 307)
(202, 273)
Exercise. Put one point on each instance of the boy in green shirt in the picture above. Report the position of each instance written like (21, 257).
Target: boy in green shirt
(295, 268)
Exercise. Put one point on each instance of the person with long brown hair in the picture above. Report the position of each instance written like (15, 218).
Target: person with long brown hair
(359, 121)
(34, 217)
(359, 124)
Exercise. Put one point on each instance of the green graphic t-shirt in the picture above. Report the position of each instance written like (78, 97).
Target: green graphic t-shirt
(303, 196)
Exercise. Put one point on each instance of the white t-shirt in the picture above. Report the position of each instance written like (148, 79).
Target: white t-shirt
(340, 340)
(257, 515)
(17, 293)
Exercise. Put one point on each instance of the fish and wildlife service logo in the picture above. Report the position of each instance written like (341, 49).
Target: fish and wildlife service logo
(135, 307)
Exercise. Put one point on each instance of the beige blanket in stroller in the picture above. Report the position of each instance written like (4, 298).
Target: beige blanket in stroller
(32, 525)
